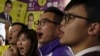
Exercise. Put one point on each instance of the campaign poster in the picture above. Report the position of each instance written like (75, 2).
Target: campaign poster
(35, 15)
(18, 11)
(38, 6)
(22, 8)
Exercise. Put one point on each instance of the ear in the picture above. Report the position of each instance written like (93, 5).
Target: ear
(94, 28)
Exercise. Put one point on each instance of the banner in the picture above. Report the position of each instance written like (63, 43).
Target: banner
(21, 8)
(36, 16)
(18, 11)
(37, 5)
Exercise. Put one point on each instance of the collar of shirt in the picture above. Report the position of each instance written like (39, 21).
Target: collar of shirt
(91, 49)
(47, 48)
(6, 14)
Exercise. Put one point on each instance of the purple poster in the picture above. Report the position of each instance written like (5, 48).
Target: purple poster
(40, 5)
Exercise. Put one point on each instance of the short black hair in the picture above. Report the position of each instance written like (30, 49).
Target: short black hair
(59, 14)
(8, 1)
(30, 14)
(23, 26)
(92, 8)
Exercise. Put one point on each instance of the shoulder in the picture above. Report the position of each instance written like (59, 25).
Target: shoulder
(62, 51)
(2, 13)
(96, 53)
(3, 49)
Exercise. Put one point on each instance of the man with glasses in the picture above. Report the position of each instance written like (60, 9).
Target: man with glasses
(48, 31)
(81, 27)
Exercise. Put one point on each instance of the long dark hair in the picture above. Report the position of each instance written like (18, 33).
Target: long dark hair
(31, 35)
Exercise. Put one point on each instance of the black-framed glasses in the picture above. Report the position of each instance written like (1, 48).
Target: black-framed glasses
(68, 17)
(43, 21)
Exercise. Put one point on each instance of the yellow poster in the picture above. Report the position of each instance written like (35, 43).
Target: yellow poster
(35, 15)
(18, 10)
(22, 8)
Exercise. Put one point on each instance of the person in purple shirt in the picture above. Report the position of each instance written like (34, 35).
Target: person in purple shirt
(48, 32)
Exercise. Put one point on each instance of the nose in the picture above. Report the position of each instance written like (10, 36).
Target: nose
(38, 27)
(61, 25)
(19, 42)
(10, 33)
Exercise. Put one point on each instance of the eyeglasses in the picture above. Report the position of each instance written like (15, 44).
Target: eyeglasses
(43, 22)
(69, 18)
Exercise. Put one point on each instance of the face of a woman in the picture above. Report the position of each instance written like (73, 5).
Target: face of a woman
(23, 44)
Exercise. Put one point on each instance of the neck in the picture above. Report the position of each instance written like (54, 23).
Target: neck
(13, 45)
(84, 45)
(6, 13)
(29, 27)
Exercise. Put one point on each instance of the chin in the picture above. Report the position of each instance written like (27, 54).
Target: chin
(63, 42)
(10, 42)
(22, 54)
(40, 42)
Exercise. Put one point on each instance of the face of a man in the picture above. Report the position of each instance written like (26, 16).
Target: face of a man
(46, 30)
(75, 30)
(23, 44)
(12, 39)
(8, 8)
(30, 21)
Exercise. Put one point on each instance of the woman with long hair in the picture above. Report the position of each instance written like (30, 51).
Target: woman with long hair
(27, 43)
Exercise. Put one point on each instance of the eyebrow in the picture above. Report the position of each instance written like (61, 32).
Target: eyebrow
(50, 20)
(77, 16)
